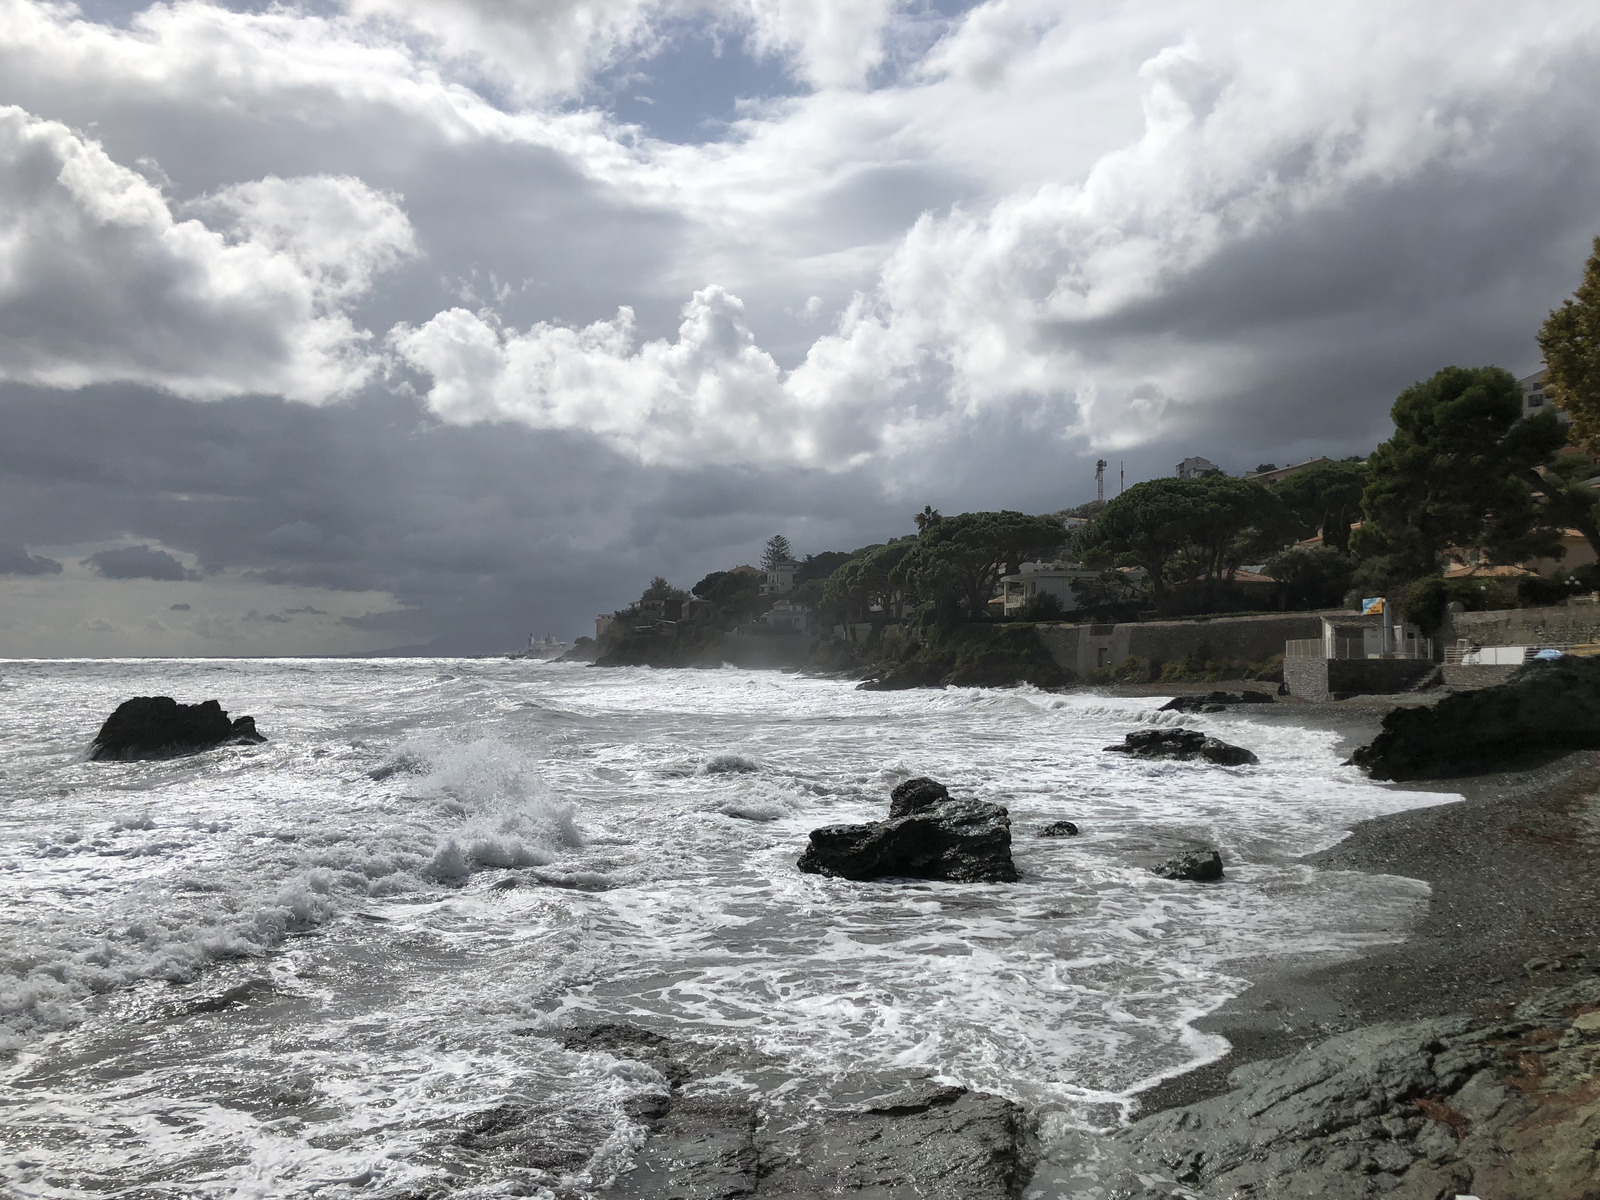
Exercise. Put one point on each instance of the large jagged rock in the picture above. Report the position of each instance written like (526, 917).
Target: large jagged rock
(1502, 1108)
(160, 727)
(928, 835)
(1182, 744)
(1546, 708)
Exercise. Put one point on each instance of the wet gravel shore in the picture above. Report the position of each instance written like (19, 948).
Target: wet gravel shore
(1514, 908)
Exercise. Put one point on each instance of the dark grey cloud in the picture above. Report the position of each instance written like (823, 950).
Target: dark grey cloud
(15, 560)
(481, 534)
(138, 562)
(178, 608)
(1252, 260)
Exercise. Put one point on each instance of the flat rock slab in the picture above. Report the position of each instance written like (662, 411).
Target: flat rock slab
(160, 727)
(1215, 701)
(1183, 745)
(925, 1142)
(1505, 1108)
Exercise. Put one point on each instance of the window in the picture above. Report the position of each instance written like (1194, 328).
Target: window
(1535, 400)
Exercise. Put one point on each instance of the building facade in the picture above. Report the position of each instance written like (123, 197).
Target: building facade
(1194, 466)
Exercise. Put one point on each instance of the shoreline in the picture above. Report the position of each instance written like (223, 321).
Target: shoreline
(1511, 868)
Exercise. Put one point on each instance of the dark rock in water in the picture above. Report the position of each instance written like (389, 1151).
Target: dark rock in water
(1202, 866)
(904, 678)
(1214, 701)
(962, 840)
(1182, 744)
(160, 727)
(1059, 829)
(915, 794)
(1546, 708)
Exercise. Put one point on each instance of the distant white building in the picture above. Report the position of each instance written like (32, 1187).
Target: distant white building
(794, 618)
(1036, 578)
(1534, 399)
(780, 579)
(1194, 466)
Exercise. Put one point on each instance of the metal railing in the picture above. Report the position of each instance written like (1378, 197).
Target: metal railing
(1352, 648)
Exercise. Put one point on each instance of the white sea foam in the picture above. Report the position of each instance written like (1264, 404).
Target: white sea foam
(154, 913)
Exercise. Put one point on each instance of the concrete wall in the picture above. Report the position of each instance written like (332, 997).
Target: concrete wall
(1333, 678)
(1084, 649)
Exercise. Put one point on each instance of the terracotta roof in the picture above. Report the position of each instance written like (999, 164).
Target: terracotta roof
(1483, 571)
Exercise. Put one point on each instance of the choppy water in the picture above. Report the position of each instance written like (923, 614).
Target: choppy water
(287, 970)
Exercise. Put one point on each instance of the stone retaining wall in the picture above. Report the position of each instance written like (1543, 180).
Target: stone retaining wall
(1083, 649)
(1333, 678)
(1558, 625)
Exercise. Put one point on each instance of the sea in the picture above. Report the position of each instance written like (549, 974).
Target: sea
(301, 968)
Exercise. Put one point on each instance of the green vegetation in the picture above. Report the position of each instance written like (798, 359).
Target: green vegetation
(1325, 499)
(1570, 343)
(987, 654)
(954, 564)
(1187, 532)
(778, 550)
(1460, 470)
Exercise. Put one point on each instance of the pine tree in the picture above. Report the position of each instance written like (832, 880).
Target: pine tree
(778, 551)
(1570, 342)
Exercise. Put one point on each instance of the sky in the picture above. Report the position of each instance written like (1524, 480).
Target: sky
(351, 326)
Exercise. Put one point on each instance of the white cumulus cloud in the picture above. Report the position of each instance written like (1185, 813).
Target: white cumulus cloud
(101, 282)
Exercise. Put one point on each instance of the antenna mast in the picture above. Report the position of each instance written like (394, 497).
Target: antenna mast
(1100, 481)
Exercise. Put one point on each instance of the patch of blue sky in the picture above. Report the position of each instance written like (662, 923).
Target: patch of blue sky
(691, 84)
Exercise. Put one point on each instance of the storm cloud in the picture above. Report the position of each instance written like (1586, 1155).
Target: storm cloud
(433, 325)
(138, 562)
(15, 560)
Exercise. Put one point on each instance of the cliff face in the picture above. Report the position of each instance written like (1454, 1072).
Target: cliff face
(1506, 1106)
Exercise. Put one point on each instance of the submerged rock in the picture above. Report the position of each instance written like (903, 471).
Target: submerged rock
(1546, 708)
(1213, 701)
(1059, 829)
(160, 727)
(1201, 866)
(1182, 744)
(928, 836)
